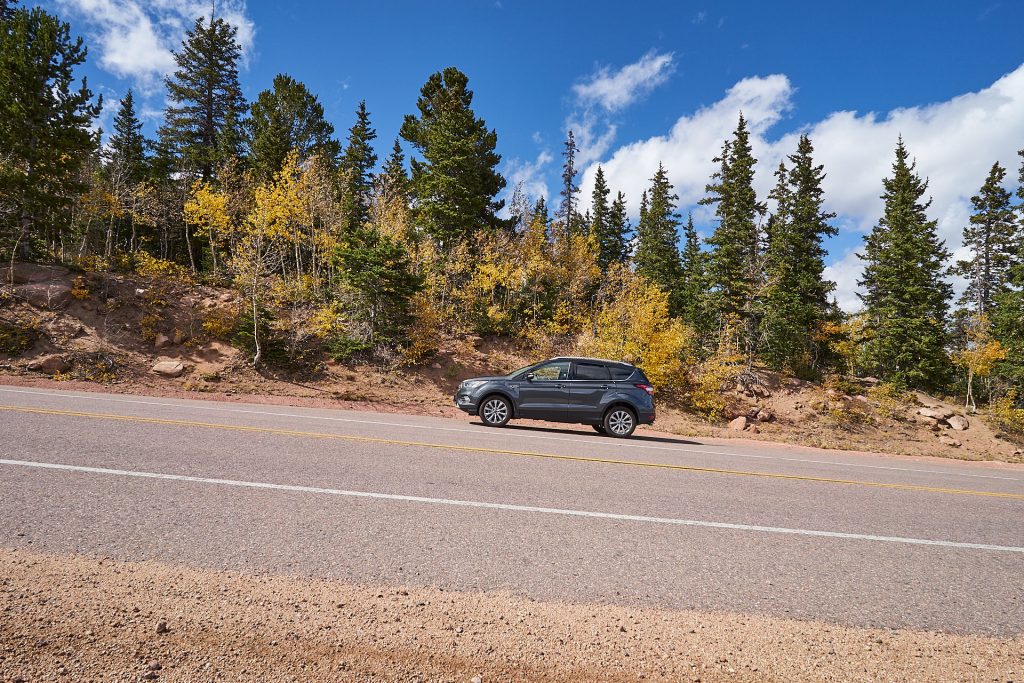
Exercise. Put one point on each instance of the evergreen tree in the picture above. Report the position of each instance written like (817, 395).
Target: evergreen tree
(1008, 311)
(657, 250)
(568, 210)
(203, 92)
(734, 266)
(126, 152)
(795, 298)
(618, 230)
(7, 9)
(45, 134)
(288, 117)
(993, 237)
(393, 178)
(693, 305)
(357, 167)
(456, 182)
(540, 211)
(905, 296)
(607, 225)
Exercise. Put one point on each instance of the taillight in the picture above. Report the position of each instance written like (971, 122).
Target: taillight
(646, 387)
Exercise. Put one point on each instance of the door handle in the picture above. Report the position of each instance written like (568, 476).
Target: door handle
(604, 386)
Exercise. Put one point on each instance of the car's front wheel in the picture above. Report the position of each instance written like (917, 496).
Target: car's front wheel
(619, 421)
(495, 411)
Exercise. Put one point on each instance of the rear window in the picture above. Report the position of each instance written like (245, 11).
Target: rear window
(591, 371)
(622, 373)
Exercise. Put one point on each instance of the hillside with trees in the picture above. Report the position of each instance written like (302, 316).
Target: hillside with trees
(304, 247)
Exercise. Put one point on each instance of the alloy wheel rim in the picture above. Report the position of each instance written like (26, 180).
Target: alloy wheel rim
(620, 421)
(495, 410)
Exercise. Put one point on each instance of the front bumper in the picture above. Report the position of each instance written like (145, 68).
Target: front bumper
(466, 402)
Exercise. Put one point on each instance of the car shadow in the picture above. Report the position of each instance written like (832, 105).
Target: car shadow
(578, 432)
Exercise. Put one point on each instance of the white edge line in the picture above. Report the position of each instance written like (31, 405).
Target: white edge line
(192, 405)
(512, 507)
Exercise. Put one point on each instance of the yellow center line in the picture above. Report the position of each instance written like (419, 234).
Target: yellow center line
(502, 451)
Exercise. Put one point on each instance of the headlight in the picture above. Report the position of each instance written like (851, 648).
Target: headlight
(471, 384)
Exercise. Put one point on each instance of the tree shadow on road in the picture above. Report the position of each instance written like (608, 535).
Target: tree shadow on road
(579, 432)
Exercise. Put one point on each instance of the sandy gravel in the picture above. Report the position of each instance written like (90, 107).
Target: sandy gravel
(74, 618)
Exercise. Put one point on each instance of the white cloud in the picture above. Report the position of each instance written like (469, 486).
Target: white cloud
(135, 38)
(954, 142)
(614, 90)
(530, 174)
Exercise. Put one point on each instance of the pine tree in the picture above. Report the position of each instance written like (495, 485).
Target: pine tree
(568, 210)
(203, 92)
(456, 182)
(288, 117)
(993, 237)
(795, 298)
(618, 229)
(693, 304)
(127, 148)
(45, 135)
(905, 296)
(657, 250)
(7, 9)
(734, 265)
(607, 225)
(357, 171)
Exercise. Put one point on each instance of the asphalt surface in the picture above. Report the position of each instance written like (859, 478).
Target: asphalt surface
(558, 514)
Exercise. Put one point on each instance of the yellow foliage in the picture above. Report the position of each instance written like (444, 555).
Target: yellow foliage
(161, 269)
(220, 323)
(982, 352)
(633, 324)
(79, 289)
(718, 373)
(424, 334)
(209, 208)
(1006, 415)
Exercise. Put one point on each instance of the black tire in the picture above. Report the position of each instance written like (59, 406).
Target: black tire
(619, 422)
(495, 411)
(599, 429)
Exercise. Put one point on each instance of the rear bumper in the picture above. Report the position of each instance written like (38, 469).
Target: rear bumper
(645, 417)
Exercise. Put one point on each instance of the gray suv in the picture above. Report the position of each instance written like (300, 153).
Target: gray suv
(610, 396)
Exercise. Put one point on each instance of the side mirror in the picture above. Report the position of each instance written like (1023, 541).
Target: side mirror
(530, 377)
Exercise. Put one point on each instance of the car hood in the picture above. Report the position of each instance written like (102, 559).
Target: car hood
(483, 379)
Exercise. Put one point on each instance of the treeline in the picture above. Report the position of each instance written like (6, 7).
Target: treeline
(335, 251)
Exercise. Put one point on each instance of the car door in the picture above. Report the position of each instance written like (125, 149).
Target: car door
(546, 396)
(590, 382)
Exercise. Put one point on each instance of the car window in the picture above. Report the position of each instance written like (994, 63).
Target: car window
(621, 373)
(592, 371)
(553, 371)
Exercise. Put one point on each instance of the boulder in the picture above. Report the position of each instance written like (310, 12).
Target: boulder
(49, 365)
(51, 295)
(926, 420)
(754, 429)
(949, 441)
(739, 424)
(162, 341)
(958, 422)
(169, 368)
(25, 273)
(765, 415)
(936, 413)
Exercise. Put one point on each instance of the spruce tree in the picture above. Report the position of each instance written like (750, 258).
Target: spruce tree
(607, 224)
(1008, 311)
(657, 250)
(993, 237)
(693, 289)
(126, 152)
(393, 179)
(734, 265)
(795, 297)
(285, 118)
(357, 170)
(905, 296)
(203, 92)
(618, 230)
(456, 182)
(45, 136)
(568, 210)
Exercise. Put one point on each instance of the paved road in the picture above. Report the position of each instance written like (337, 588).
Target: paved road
(553, 514)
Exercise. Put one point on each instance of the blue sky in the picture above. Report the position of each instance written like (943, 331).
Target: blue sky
(652, 82)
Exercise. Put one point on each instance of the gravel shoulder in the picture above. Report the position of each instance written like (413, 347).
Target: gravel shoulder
(89, 618)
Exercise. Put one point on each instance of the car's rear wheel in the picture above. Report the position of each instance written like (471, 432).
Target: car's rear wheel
(619, 421)
(599, 429)
(495, 411)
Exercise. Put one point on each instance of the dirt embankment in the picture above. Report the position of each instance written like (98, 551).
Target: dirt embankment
(127, 334)
(73, 618)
